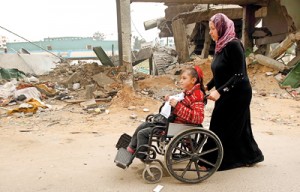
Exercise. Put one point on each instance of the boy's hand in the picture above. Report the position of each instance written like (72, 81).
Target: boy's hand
(167, 97)
(173, 102)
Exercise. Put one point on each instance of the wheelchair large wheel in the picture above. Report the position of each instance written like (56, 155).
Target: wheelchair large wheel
(152, 174)
(193, 155)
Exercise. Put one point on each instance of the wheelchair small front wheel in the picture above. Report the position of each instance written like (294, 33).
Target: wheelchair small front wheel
(152, 174)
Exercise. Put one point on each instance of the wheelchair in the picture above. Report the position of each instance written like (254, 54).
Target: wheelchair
(191, 153)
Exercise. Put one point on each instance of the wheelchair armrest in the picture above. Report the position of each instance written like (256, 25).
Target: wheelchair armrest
(149, 118)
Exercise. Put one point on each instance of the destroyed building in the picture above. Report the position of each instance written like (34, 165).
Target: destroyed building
(267, 28)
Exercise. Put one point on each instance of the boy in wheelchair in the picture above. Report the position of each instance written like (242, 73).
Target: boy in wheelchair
(187, 110)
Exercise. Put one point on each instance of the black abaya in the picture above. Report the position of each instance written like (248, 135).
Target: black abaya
(231, 115)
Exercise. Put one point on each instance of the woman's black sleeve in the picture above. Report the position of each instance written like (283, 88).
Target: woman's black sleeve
(236, 59)
(210, 84)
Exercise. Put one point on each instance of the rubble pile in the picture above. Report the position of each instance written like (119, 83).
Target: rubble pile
(91, 84)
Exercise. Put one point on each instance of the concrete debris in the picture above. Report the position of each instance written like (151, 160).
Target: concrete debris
(89, 91)
(74, 78)
(102, 79)
(89, 104)
(269, 73)
(29, 63)
(100, 94)
(279, 77)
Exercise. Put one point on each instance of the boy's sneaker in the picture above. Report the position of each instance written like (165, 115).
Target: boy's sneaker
(130, 150)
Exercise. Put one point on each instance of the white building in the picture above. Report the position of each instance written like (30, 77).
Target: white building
(3, 41)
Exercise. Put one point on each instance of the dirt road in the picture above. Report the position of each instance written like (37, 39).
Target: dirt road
(65, 150)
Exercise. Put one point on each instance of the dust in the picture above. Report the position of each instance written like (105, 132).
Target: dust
(157, 82)
(128, 97)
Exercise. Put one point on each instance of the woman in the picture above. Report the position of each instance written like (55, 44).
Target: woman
(232, 95)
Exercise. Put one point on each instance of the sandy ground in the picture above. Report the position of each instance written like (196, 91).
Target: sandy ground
(69, 150)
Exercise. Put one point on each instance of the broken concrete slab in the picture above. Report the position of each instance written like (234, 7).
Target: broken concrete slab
(89, 91)
(269, 62)
(89, 104)
(33, 64)
(75, 78)
(102, 79)
(99, 94)
(105, 60)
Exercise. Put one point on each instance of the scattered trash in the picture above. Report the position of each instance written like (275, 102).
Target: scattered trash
(76, 86)
(158, 188)
(30, 106)
(146, 110)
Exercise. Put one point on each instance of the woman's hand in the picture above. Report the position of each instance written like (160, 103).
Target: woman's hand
(214, 95)
(173, 102)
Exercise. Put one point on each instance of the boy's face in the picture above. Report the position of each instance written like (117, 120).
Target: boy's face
(186, 81)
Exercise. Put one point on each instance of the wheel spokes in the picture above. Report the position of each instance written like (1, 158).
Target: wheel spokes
(202, 143)
(208, 151)
(187, 167)
(207, 162)
(197, 169)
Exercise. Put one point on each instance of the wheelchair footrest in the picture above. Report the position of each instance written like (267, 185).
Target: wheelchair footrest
(123, 158)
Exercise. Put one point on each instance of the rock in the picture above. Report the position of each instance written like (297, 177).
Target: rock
(98, 110)
(102, 109)
(29, 114)
(107, 111)
(263, 94)
(269, 73)
(90, 111)
(133, 116)
(131, 108)
(21, 97)
(145, 93)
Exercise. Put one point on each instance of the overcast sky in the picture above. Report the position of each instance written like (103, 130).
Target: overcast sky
(37, 19)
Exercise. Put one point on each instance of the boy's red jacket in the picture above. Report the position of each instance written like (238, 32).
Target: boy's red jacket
(190, 110)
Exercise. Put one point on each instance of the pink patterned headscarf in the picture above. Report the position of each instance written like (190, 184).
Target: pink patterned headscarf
(225, 28)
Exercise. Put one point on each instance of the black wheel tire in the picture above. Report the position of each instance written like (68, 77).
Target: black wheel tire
(180, 167)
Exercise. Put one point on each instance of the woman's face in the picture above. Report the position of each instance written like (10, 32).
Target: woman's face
(213, 31)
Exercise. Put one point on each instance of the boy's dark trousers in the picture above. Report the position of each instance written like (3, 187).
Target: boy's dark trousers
(141, 137)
